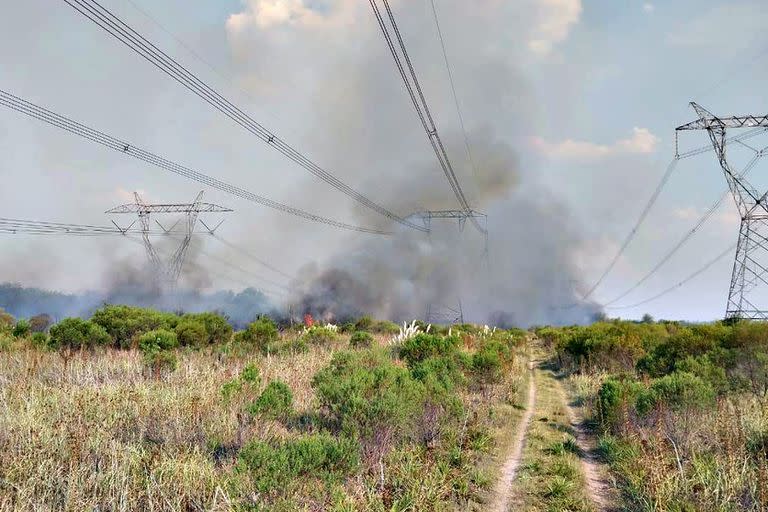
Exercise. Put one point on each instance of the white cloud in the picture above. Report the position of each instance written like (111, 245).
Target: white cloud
(642, 141)
(649, 7)
(265, 14)
(557, 18)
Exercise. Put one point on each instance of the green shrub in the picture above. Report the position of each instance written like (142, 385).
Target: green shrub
(678, 391)
(274, 466)
(364, 323)
(317, 335)
(21, 329)
(76, 334)
(385, 327)
(157, 340)
(615, 397)
(261, 334)
(445, 372)
(125, 324)
(249, 379)
(489, 361)
(365, 394)
(275, 402)
(361, 339)
(6, 321)
(191, 333)
(251, 375)
(40, 340)
(706, 370)
(423, 346)
(40, 323)
(157, 347)
(217, 328)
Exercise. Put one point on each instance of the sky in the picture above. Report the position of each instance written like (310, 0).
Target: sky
(587, 93)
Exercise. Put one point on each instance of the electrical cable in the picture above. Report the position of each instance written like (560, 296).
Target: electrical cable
(121, 31)
(42, 114)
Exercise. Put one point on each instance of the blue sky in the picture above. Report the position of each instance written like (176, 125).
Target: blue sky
(587, 92)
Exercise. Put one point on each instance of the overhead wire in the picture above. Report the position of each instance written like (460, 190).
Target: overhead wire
(31, 227)
(122, 32)
(253, 257)
(416, 94)
(453, 90)
(680, 283)
(42, 114)
(652, 201)
(699, 223)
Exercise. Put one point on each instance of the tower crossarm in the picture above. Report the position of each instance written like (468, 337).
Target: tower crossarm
(169, 208)
(726, 122)
(707, 121)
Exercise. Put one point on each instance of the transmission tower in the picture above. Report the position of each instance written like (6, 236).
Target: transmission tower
(167, 271)
(750, 266)
(443, 313)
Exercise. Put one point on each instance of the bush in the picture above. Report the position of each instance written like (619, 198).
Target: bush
(40, 340)
(274, 466)
(364, 323)
(77, 334)
(158, 340)
(125, 324)
(21, 329)
(615, 397)
(423, 346)
(261, 334)
(317, 335)
(361, 339)
(365, 394)
(157, 347)
(216, 327)
(40, 323)
(489, 361)
(191, 333)
(678, 391)
(6, 321)
(275, 402)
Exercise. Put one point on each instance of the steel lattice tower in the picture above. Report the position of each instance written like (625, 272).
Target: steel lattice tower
(442, 313)
(168, 271)
(750, 268)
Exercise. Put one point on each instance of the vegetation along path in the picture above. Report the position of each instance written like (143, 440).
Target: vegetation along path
(601, 490)
(509, 469)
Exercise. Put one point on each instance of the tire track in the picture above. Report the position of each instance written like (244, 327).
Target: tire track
(503, 489)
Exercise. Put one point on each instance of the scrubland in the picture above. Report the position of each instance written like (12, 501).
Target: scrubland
(141, 410)
(681, 410)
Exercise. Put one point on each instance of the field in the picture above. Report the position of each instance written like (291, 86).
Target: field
(141, 410)
(299, 420)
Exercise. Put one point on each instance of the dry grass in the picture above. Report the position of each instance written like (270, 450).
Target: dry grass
(103, 434)
(550, 476)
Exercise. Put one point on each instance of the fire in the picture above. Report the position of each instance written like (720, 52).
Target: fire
(308, 320)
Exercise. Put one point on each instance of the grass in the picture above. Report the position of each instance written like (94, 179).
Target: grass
(550, 477)
(102, 433)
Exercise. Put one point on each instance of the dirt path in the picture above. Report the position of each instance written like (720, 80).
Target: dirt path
(599, 486)
(502, 492)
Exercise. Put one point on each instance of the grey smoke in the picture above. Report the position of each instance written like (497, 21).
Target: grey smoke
(528, 278)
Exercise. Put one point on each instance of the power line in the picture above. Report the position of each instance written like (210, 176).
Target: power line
(681, 283)
(453, 90)
(664, 179)
(121, 31)
(76, 128)
(700, 222)
(253, 257)
(415, 92)
(43, 228)
(652, 200)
